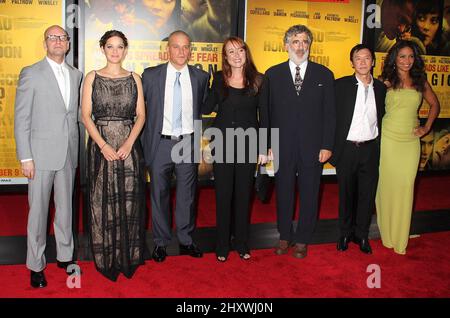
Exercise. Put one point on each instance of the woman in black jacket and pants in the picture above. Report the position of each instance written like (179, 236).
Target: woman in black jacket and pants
(234, 96)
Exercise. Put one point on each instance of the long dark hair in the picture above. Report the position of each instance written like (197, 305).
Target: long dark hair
(417, 71)
(423, 8)
(252, 78)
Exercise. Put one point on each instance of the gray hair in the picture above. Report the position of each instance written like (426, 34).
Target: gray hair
(297, 29)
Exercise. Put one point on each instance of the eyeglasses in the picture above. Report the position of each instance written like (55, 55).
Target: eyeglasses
(54, 38)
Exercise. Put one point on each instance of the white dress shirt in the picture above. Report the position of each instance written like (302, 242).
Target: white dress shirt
(303, 67)
(187, 102)
(62, 76)
(364, 122)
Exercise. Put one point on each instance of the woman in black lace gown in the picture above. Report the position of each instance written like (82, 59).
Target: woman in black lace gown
(116, 184)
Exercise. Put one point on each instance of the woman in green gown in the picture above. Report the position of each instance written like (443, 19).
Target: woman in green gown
(404, 75)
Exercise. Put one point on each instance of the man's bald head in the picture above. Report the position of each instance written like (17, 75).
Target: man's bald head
(56, 43)
(53, 28)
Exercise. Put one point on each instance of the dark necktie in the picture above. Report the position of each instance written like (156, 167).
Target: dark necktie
(298, 80)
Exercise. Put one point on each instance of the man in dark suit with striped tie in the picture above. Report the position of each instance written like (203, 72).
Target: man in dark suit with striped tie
(174, 93)
(298, 99)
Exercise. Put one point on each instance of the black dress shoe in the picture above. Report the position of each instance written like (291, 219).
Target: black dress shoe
(159, 254)
(342, 244)
(65, 265)
(364, 245)
(190, 250)
(38, 279)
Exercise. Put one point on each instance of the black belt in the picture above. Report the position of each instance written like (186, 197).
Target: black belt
(360, 143)
(176, 138)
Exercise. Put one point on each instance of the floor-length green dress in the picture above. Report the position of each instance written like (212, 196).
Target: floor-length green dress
(399, 160)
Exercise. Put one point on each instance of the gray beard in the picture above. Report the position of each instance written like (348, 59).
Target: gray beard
(294, 58)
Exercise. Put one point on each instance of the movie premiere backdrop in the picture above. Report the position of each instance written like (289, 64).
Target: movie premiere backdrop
(337, 25)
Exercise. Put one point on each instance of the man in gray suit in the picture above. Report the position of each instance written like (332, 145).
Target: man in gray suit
(46, 133)
(174, 93)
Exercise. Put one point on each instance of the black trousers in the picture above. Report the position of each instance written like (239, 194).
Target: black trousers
(308, 181)
(357, 175)
(234, 184)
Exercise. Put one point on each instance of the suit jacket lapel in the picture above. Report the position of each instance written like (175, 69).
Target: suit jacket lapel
(306, 78)
(162, 86)
(379, 103)
(288, 78)
(52, 81)
(72, 85)
(376, 91)
(353, 92)
(161, 77)
(194, 92)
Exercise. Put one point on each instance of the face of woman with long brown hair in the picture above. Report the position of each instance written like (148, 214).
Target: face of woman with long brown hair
(405, 59)
(235, 54)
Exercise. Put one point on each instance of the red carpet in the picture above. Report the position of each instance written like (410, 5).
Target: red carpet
(423, 272)
(432, 193)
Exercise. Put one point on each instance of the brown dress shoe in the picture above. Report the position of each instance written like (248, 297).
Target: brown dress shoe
(300, 250)
(282, 248)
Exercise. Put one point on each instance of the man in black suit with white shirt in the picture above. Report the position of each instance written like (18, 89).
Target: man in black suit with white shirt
(360, 108)
(298, 99)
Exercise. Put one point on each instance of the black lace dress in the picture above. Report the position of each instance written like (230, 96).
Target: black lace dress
(116, 188)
